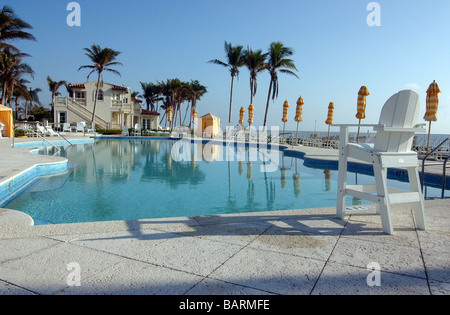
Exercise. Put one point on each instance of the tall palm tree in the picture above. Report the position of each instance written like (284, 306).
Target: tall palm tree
(102, 59)
(256, 63)
(12, 27)
(234, 62)
(54, 87)
(278, 61)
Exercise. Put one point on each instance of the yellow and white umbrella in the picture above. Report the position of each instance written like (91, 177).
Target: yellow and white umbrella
(194, 116)
(251, 109)
(285, 114)
(329, 120)
(299, 113)
(241, 116)
(432, 106)
(169, 114)
(361, 106)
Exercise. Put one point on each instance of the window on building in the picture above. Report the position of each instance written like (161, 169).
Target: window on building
(116, 97)
(80, 95)
(146, 123)
(100, 95)
(62, 117)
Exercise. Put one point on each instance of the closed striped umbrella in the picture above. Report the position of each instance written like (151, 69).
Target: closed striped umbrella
(169, 114)
(432, 107)
(241, 116)
(251, 109)
(299, 110)
(432, 102)
(194, 116)
(285, 115)
(299, 113)
(329, 120)
(361, 106)
(285, 111)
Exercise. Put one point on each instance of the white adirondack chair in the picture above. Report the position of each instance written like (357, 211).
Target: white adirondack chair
(392, 149)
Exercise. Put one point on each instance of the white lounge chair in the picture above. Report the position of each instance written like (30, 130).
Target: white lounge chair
(125, 131)
(392, 149)
(86, 127)
(66, 127)
(41, 130)
(51, 132)
(80, 127)
(137, 130)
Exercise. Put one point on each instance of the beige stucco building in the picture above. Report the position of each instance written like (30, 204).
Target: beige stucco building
(115, 107)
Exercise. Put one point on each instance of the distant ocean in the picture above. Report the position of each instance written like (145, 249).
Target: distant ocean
(421, 139)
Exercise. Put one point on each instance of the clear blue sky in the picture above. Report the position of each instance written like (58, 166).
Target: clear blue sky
(335, 50)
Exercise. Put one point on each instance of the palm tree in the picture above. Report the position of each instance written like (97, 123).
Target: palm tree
(11, 70)
(151, 94)
(31, 97)
(11, 28)
(102, 59)
(234, 62)
(54, 87)
(278, 61)
(20, 91)
(256, 63)
(196, 91)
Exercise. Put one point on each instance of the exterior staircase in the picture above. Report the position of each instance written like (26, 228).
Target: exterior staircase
(81, 111)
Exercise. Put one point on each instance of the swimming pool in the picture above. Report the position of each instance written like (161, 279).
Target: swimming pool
(127, 179)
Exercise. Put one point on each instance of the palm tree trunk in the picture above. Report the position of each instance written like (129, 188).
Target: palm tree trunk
(95, 101)
(3, 94)
(53, 106)
(231, 100)
(252, 83)
(17, 107)
(267, 105)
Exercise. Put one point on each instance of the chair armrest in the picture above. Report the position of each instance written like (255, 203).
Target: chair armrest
(416, 128)
(354, 125)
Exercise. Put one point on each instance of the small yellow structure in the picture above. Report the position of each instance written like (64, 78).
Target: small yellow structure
(6, 122)
(209, 126)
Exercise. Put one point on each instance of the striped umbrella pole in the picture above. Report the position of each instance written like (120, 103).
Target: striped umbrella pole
(329, 120)
(432, 107)
(299, 113)
(361, 107)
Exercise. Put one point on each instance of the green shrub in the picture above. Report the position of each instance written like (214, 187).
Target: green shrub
(19, 133)
(109, 131)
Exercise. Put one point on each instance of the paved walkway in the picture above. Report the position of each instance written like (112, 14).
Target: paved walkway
(282, 252)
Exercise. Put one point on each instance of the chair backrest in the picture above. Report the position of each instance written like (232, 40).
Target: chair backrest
(137, 127)
(400, 111)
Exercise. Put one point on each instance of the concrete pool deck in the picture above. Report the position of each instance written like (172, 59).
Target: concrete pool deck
(281, 252)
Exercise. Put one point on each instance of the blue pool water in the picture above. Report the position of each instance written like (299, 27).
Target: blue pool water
(126, 179)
